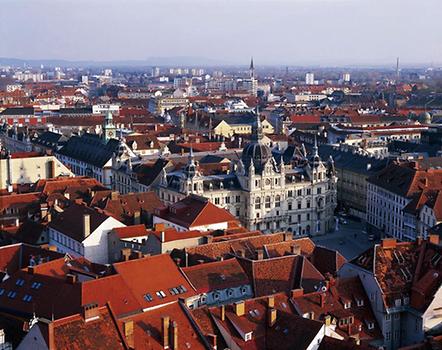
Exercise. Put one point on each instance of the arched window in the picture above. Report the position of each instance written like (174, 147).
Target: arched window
(258, 203)
(267, 202)
(277, 201)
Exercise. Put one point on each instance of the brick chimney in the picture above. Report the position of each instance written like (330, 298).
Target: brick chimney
(299, 292)
(271, 317)
(223, 313)
(114, 195)
(389, 243)
(212, 339)
(296, 249)
(165, 331)
(137, 217)
(174, 335)
(434, 239)
(90, 311)
(128, 330)
(322, 300)
(240, 308)
(125, 254)
(86, 225)
(71, 278)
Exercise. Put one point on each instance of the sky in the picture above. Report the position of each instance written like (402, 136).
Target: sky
(288, 32)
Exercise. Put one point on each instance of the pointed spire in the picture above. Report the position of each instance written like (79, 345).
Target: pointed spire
(315, 148)
(257, 132)
(252, 68)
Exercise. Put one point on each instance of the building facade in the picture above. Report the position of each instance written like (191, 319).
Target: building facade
(262, 193)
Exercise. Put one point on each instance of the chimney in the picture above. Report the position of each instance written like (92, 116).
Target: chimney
(327, 320)
(212, 340)
(91, 312)
(271, 317)
(86, 225)
(114, 195)
(137, 217)
(165, 331)
(288, 236)
(128, 329)
(296, 249)
(240, 308)
(297, 293)
(322, 300)
(159, 227)
(434, 239)
(209, 239)
(174, 335)
(223, 312)
(125, 254)
(389, 243)
(31, 270)
(43, 210)
(271, 301)
(71, 278)
(259, 254)
(162, 236)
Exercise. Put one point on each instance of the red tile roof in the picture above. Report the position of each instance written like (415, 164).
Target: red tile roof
(152, 275)
(194, 211)
(216, 275)
(131, 231)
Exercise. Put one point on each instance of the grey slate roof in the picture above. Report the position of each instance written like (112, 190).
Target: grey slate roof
(90, 149)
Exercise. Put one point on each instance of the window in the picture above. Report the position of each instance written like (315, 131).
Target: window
(309, 191)
(277, 201)
(20, 282)
(299, 192)
(289, 206)
(36, 285)
(299, 204)
(238, 199)
(387, 317)
(257, 203)
(148, 297)
(267, 202)
(290, 194)
(27, 298)
(228, 200)
(319, 190)
(217, 201)
(308, 204)
(11, 294)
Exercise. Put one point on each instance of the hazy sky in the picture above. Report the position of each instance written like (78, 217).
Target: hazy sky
(296, 32)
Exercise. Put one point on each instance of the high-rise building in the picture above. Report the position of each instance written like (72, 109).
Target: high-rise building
(346, 77)
(155, 72)
(310, 78)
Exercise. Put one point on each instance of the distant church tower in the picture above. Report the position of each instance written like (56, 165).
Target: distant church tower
(252, 69)
(109, 129)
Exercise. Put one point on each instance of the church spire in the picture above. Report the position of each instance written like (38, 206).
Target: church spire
(252, 68)
(257, 132)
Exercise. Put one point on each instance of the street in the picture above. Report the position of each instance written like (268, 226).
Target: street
(344, 239)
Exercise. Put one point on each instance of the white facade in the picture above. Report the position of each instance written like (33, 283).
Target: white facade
(94, 247)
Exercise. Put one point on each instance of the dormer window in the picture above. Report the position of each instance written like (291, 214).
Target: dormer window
(360, 302)
(347, 305)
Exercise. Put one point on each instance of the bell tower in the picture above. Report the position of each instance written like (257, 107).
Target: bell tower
(109, 129)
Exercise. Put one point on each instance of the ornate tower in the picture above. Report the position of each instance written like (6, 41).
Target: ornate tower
(109, 129)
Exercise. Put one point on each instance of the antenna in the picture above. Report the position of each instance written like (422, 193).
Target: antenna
(397, 69)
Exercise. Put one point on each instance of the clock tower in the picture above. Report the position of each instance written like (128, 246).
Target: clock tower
(109, 129)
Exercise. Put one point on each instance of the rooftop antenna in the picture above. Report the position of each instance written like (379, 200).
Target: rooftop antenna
(397, 69)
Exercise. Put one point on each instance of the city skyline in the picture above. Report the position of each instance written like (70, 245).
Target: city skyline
(298, 33)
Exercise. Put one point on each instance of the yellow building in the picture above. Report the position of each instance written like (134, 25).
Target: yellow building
(240, 126)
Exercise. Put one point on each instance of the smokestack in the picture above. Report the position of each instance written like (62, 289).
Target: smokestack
(86, 225)
(223, 312)
(165, 331)
(212, 340)
(271, 317)
(240, 308)
(128, 329)
(174, 335)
